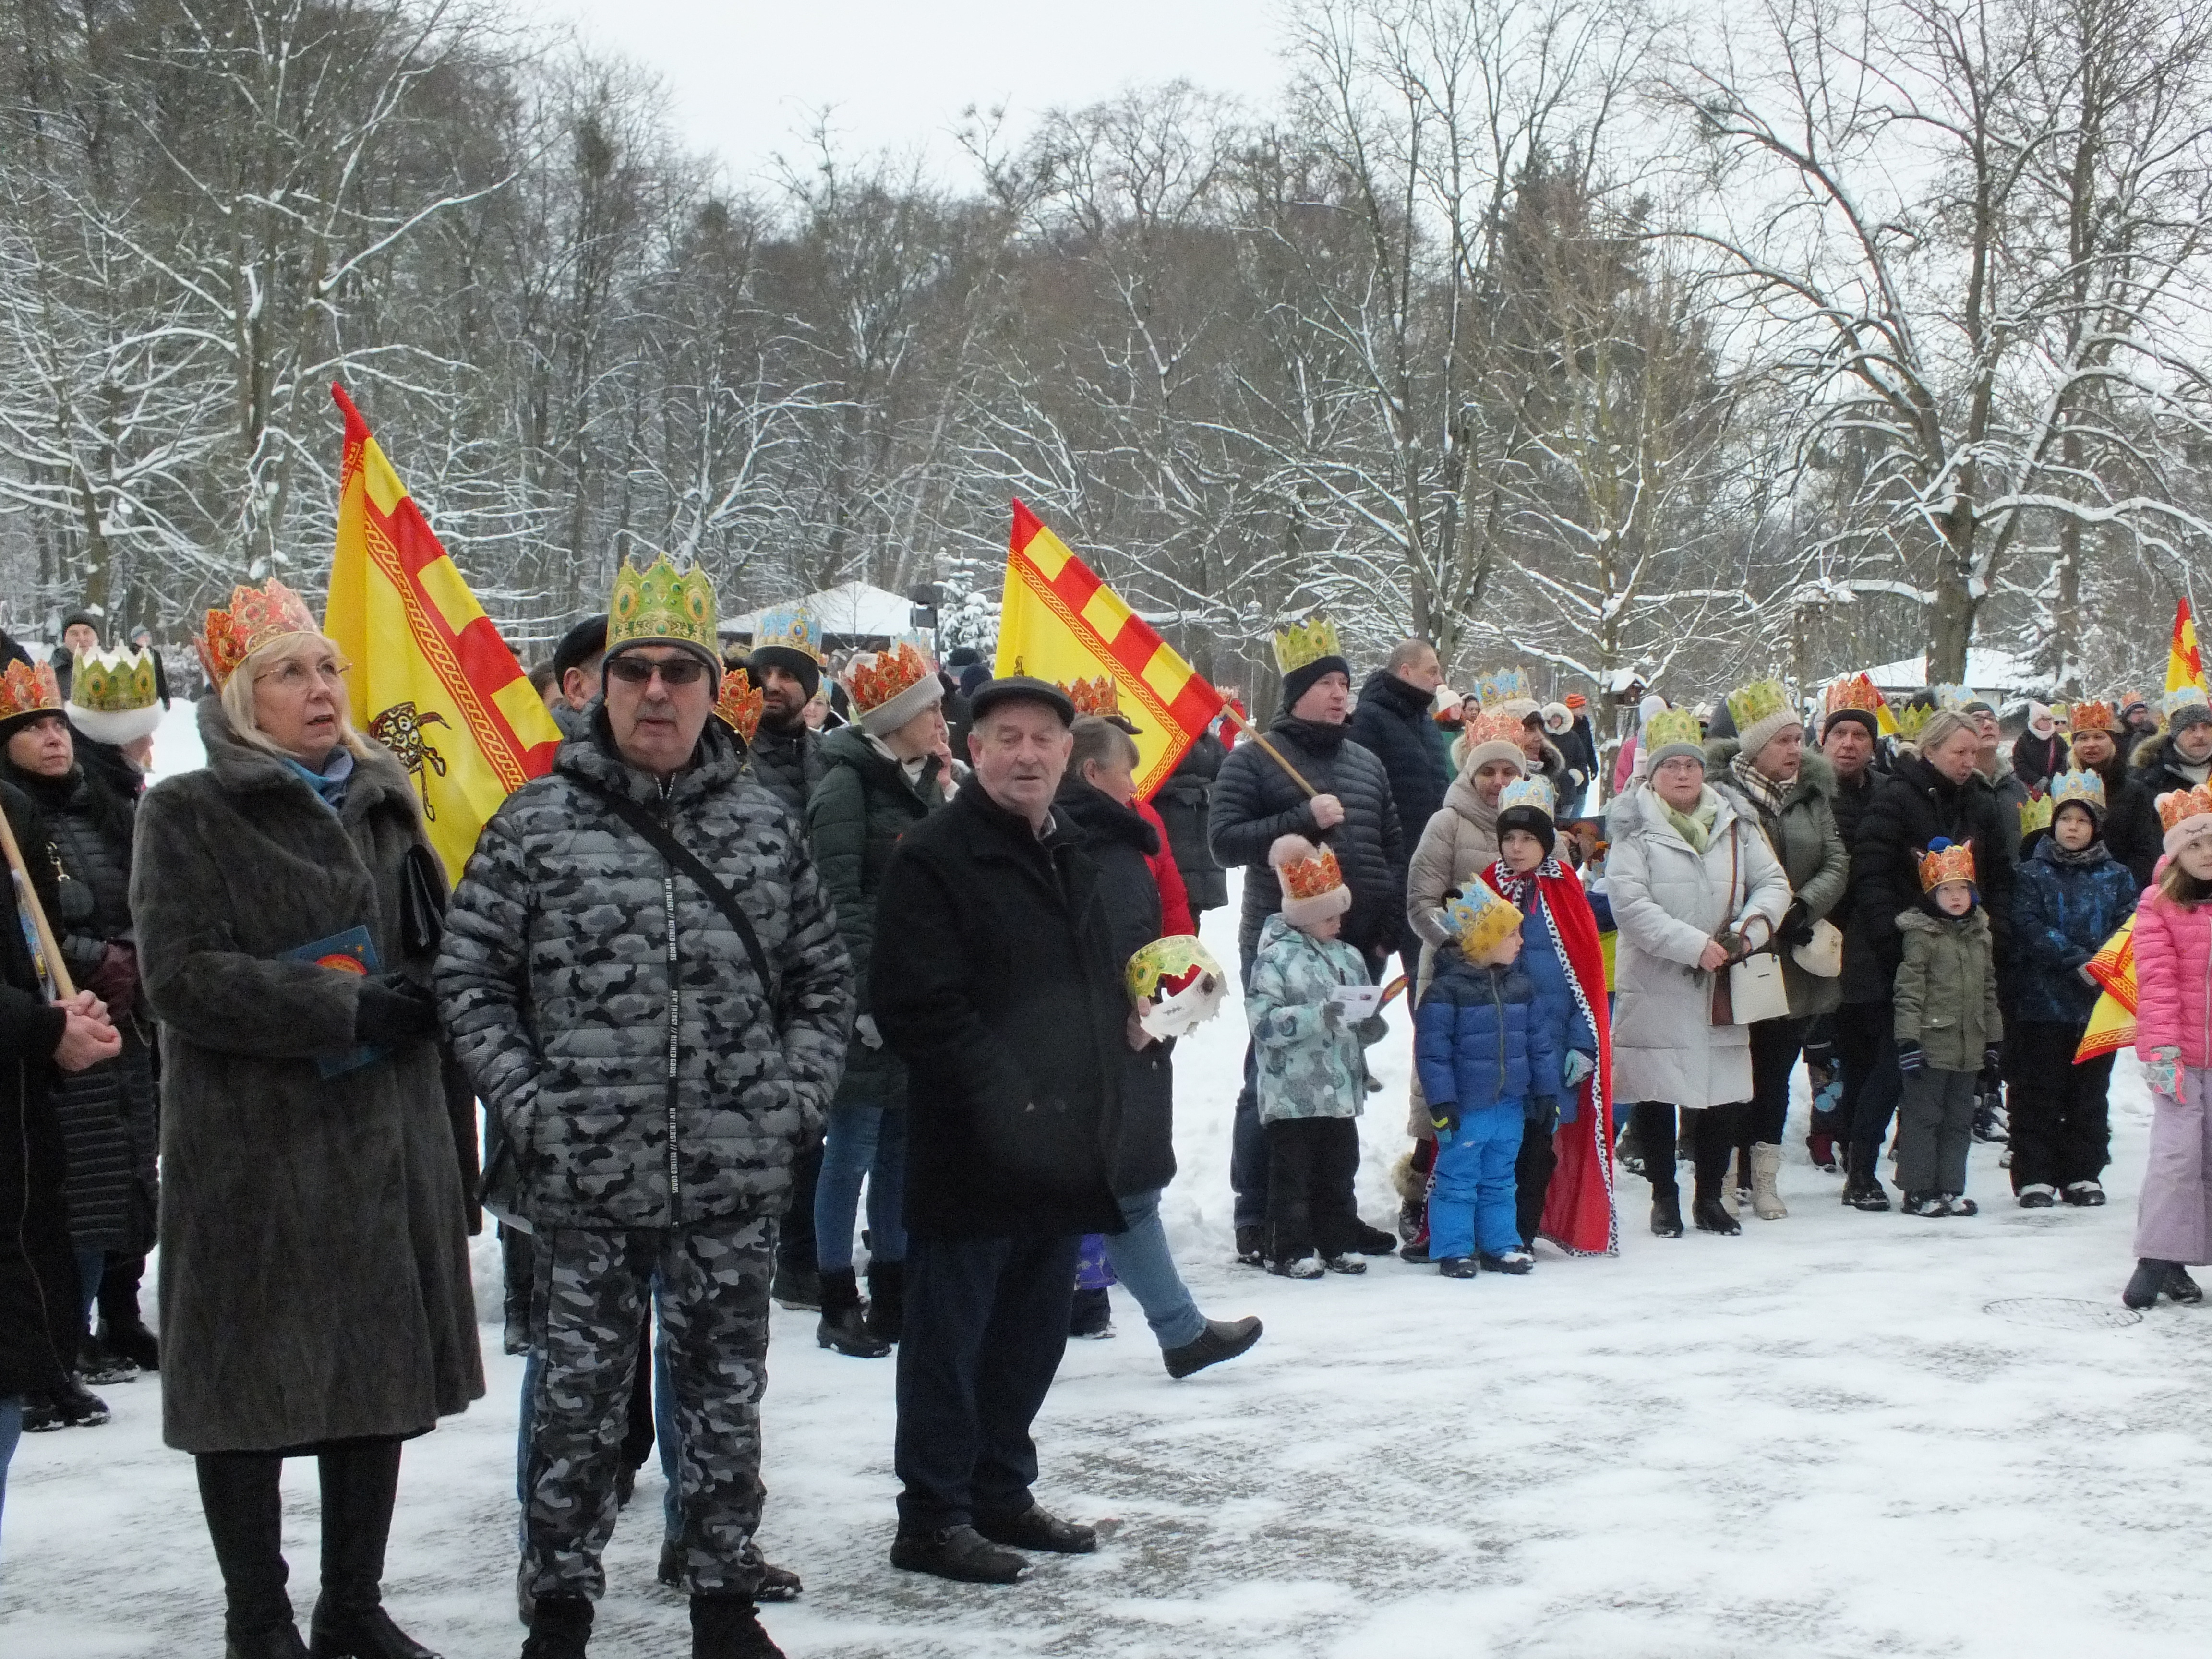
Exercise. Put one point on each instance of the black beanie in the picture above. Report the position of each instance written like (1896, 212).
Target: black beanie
(1534, 820)
(1303, 678)
(1864, 716)
(586, 640)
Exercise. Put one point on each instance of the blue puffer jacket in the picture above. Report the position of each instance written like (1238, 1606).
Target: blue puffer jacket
(1556, 1011)
(2062, 913)
(1478, 1038)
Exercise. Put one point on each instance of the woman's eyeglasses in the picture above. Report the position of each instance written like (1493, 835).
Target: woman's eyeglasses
(676, 671)
(294, 676)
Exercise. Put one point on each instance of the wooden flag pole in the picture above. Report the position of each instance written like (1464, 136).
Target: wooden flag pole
(63, 989)
(1273, 753)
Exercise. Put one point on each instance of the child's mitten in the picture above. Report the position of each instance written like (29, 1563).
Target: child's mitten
(1443, 1118)
(2162, 1070)
(1576, 1068)
(1909, 1058)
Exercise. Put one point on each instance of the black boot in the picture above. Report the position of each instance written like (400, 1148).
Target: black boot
(887, 1300)
(1707, 1213)
(282, 1643)
(1667, 1212)
(1862, 1190)
(359, 1484)
(560, 1626)
(961, 1553)
(2181, 1287)
(844, 1326)
(246, 1523)
(728, 1627)
(2149, 1278)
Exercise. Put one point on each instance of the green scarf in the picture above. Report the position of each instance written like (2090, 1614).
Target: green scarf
(1696, 826)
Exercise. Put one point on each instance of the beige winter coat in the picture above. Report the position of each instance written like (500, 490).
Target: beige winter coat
(1459, 840)
(1668, 901)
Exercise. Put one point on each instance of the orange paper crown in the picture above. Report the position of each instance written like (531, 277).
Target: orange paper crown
(2179, 805)
(25, 689)
(876, 680)
(1953, 862)
(1494, 726)
(740, 704)
(1855, 692)
(1097, 696)
(257, 616)
(1306, 878)
(2092, 717)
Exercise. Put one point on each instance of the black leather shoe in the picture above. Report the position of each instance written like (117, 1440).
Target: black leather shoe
(1712, 1216)
(1666, 1215)
(956, 1552)
(1222, 1338)
(1373, 1241)
(282, 1643)
(359, 1633)
(1038, 1529)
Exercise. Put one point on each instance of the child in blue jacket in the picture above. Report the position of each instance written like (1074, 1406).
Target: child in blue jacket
(1480, 1049)
(2071, 896)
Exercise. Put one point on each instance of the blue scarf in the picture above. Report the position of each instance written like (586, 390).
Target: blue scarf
(330, 783)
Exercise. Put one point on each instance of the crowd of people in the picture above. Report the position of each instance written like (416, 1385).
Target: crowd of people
(853, 983)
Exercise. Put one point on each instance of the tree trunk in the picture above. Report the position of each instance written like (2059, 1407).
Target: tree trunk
(1951, 616)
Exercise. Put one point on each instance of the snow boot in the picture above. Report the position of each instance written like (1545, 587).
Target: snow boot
(1222, 1338)
(1667, 1214)
(1373, 1241)
(99, 1369)
(560, 1626)
(2150, 1276)
(1765, 1168)
(1343, 1264)
(960, 1553)
(282, 1643)
(799, 1289)
(2180, 1287)
(1862, 1191)
(134, 1342)
(1458, 1267)
(1958, 1204)
(2084, 1194)
(1513, 1261)
(1252, 1246)
(886, 1300)
(1930, 1207)
(2038, 1195)
(1091, 1316)
(1712, 1216)
(729, 1627)
(844, 1327)
(74, 1406)
(1990, 1126)
(1304, 1266)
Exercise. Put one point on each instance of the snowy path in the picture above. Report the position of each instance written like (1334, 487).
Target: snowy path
(1811, 1440)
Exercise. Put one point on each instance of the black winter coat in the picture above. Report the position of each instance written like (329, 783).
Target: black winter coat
(38, 1322)
(1913, 807)
(858, 810)
(1119, 842)
(1005, 1001)
(1578, 745)
(1184, 802)
(787, 765)
(2132, 829)
(1256, 802)
(1392, 723)
(1864, 979)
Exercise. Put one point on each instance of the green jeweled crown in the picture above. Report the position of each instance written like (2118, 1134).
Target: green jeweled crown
(1747, 705)
(2088, 788)
(2036, 815)
(113, 682)
(1672, 725)
(1309, 639)
(662, 603)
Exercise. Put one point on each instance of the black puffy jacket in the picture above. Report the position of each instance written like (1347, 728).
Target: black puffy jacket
(1256, 802)
(1392, 723)
(1184, 802)
(1912, 807)
(786, 764)
(1864, 979)
(1119, 843)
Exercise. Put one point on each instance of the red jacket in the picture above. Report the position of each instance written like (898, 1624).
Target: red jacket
(2173, 978)
(1174, 897)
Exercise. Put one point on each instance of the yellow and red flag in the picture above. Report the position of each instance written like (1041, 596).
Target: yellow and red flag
(431, 678)
(2112, 1021)
(1058, 621)
(2184, 665)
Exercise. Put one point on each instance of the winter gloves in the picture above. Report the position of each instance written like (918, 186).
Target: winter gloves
(114, 977)
(393, 1010)
(1909, 1058)
(1443, 1118)
(1541, 1114)
(1796, 928)
(2162, 1070)
(1576, 1068)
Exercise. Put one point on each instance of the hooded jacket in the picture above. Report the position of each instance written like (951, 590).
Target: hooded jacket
(1947, 988)
(1459, 841)
(2063, 909)
(2173, 979)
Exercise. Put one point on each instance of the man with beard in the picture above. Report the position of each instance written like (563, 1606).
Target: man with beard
(786, 665)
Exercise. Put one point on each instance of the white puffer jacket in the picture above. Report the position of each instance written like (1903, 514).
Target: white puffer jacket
(1668, 902)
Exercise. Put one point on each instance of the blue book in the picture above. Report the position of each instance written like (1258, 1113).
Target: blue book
(349, 953)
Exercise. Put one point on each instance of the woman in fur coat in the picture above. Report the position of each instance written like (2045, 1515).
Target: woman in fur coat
(315, 1276)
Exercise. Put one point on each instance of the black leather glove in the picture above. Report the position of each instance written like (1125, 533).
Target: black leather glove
(1796, 926)
(394, 1009)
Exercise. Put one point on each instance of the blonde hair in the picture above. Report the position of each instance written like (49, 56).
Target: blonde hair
(2177, 886)
(237, 697)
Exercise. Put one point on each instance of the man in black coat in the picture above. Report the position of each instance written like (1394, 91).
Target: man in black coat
(994, 980)
(1392, 723)
(1934, 792)
(1853, 1033)
(2180, 757)
(1256, 802)
(1184, 803)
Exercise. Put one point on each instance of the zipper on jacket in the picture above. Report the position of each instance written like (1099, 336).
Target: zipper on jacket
(1497, 999)
(675, 1022)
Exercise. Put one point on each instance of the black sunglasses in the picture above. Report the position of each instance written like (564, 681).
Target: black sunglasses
(676, 671)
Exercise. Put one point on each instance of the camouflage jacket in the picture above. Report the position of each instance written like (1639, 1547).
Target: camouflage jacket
(1307, 1059)
(639, 1072)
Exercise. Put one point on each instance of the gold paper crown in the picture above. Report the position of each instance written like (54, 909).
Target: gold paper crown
(1309, 639)
(1529, 792)
(2173, 807)
(257, 617)
(1099, 697)
(662, 603)
(1672, 725)
(876, 677)
(787, 628)
(2092, 717)
(1306, 878)
(2035, 814)
(1851, 691)
(1747, 705)
(2086, 787)
(25, 689)
(739, 705)
(1506, 685)
(1912, 720)
(1953, 861)
(114, 682)
(1480, 919)
(1167, 965)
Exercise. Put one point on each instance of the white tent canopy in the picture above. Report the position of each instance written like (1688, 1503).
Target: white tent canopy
(849, 608)
(1995, 672)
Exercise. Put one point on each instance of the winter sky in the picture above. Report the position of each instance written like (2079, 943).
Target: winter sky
(746, 80)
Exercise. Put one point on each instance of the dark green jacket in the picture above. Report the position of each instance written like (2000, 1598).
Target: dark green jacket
(858, 809)
(1947, 988)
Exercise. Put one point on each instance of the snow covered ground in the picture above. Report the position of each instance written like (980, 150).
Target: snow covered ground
(1829, 1436)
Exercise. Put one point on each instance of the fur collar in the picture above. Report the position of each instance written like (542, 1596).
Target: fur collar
(243, 768)
(1815, 776)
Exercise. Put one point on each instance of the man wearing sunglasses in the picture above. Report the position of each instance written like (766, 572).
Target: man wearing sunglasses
(642, 976)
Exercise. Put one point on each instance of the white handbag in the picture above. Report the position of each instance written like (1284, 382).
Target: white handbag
(1756, 991)
(1822, 955)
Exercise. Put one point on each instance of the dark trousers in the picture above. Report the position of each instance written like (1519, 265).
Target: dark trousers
(794, 1238)
(118, 1292)
(1866, 1047)
(1935, 1128)
(986, 1325)
(1715, 1131)
(1775, 1046)
(245, 1522)
(1311, 1164)
(1532, 1178)
(2060, 1130)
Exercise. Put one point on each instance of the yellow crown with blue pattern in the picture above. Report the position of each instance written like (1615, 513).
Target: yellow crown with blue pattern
(1506, 685)
(1529, 792)
(2185, 696)
(1954, 697)
(1308, 638)
(662, 605)
(1480, 920)
(2086, 787)
(789, 627)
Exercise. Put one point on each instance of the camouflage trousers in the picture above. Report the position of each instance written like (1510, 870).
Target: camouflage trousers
(591, 1293)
